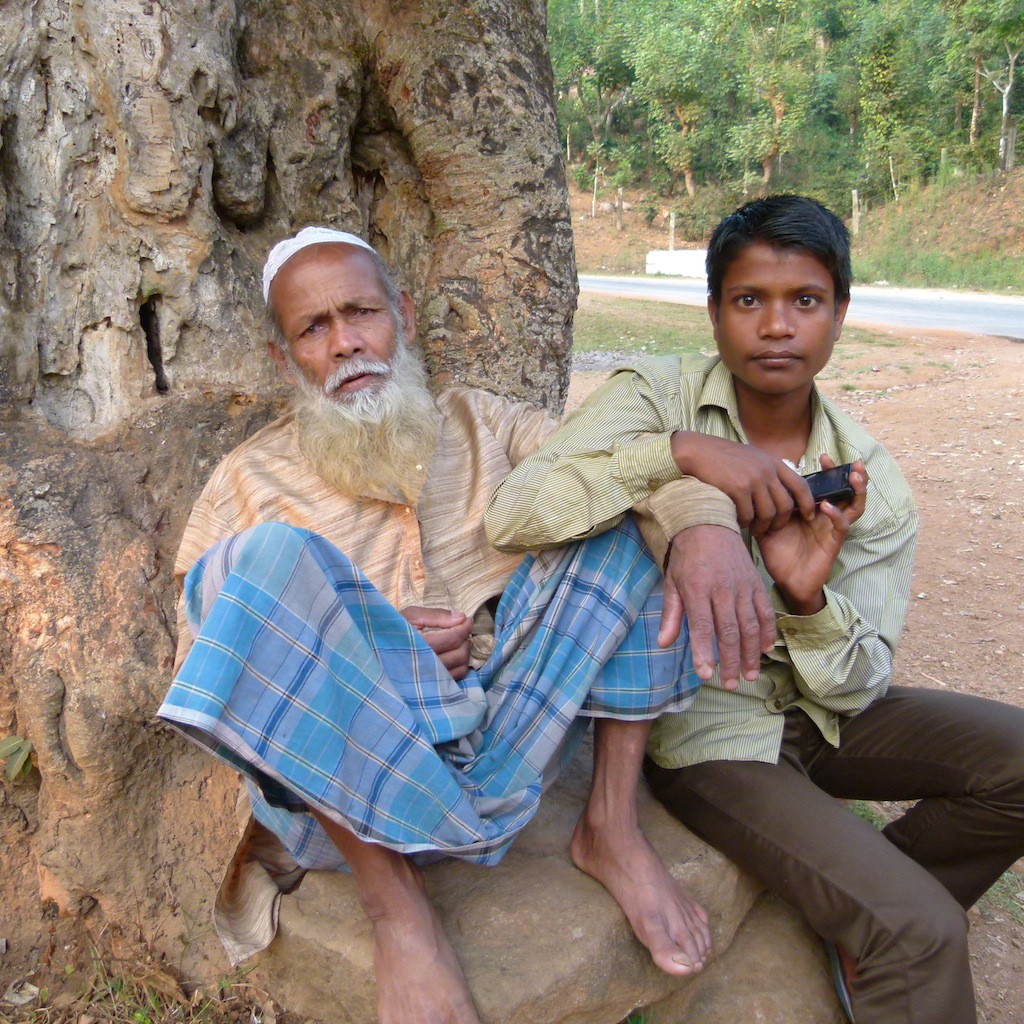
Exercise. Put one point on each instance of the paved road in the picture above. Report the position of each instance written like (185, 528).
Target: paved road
(998, 315)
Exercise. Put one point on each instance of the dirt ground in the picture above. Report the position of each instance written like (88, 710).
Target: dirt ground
(950, 409)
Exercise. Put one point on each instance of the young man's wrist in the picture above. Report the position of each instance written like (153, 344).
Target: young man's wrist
(681, 450)
(802, 605)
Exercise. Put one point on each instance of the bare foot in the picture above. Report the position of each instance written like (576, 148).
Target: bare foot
(670, 924)
(419, 981)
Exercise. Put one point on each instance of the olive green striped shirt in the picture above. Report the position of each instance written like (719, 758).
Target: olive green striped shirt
(614, 454)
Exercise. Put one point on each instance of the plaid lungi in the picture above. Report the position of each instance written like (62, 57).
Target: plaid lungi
(304, 678)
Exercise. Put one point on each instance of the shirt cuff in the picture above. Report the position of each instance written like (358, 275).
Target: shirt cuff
(678, 505)
(646, 464)
(811, 630)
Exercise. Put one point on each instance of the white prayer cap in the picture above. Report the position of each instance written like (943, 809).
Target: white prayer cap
(288, 247)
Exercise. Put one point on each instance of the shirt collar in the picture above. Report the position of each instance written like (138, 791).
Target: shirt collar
(720, 392)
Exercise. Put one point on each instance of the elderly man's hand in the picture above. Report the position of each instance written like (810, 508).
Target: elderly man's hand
(711, 579)
(446, 633)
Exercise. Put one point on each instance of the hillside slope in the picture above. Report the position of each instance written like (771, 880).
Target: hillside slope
(967, 233)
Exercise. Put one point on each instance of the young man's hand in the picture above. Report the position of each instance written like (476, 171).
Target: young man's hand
(446, 633)
(711, 578)
(800, 556)
(763, 488)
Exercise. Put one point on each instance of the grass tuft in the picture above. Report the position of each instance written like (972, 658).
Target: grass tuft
(1006, 896)
(136, 992)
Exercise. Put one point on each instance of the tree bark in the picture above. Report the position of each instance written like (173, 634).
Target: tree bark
(976, 106)
(156, 151)
(152, 152)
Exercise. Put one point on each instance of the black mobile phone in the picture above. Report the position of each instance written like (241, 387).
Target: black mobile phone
(831, 485)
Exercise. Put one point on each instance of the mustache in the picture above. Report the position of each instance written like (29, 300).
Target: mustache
(356, 368)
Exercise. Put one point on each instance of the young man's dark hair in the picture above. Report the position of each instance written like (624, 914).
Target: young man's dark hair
(783, 222)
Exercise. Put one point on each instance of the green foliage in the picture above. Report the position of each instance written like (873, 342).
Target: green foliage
(1006, 896)
(16, 750)
(869, 812)
(640, 1017)
(910, 248)
(819, 96)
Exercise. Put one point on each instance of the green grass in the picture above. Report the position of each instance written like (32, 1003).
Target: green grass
(608, 324)
(899, 264)
(641, 1016)
(1006, 896)
(869, 812)
(133, 992)
(953, 236)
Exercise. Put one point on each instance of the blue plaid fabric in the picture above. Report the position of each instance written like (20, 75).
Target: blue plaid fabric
(304, 678)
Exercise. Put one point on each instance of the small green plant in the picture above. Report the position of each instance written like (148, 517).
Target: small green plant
(1006, 895)
(582, 176)
(16, 751)
(869, 812)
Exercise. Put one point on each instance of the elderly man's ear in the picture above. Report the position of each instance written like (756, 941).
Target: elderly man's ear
(277, 354)
(408, 313)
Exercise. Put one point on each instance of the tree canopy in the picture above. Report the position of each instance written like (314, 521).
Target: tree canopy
(824, 96)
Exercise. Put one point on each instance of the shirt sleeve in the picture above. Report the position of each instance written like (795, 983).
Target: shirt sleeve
(841, 657)
(612, 454)
(519, 427)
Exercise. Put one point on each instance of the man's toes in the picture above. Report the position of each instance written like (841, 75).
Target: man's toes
(692, 936)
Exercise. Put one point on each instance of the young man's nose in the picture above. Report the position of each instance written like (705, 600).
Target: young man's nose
(777, 321)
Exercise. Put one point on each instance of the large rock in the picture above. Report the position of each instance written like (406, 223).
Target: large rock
(775, 972)
(542, 943)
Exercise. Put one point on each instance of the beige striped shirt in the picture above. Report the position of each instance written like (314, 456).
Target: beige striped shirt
(431, 551)
(615, 451)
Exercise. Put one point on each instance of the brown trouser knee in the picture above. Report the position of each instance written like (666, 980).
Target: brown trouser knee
(894, 899)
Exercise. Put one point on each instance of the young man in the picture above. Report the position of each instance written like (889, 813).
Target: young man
(391, 687)
(754, 768)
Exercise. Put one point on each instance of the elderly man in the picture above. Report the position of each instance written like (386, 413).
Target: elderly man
(392, 688)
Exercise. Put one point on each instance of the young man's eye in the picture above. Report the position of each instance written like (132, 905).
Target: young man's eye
(807, 301)
(746, 301)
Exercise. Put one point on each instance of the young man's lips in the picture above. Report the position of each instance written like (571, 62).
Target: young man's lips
(776, 359)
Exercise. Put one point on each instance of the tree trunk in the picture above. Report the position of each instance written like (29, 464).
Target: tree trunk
(1004, 125)
(151, 154)
(976, 106)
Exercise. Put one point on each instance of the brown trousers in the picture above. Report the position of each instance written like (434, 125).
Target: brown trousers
(894, 899)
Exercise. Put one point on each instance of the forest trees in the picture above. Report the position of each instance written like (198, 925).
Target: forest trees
(825, 95)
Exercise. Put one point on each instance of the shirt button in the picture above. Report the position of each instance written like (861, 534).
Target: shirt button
(777, 704)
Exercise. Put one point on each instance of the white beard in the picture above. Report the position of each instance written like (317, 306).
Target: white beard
(376, 440)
